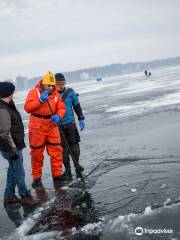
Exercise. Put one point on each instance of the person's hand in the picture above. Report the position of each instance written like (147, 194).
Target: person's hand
(14, 156)
(82, 124)
(44, 96)
(55, 118)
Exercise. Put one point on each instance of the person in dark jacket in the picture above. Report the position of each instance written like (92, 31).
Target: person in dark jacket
(11, 145)
(68, 124)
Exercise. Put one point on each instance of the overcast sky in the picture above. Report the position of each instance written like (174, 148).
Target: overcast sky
(62, 35)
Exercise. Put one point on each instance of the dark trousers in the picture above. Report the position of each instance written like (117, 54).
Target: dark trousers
(72, 136)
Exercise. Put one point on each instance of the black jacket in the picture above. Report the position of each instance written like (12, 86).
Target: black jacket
(11, 127)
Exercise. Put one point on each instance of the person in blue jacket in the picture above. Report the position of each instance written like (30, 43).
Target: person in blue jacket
(68, 124)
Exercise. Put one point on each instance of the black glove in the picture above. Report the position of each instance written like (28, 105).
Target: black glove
(14, 156)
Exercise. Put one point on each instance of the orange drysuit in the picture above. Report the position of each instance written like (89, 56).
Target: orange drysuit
(43, 132)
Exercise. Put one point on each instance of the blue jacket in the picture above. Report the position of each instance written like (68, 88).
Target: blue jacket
(72, 104)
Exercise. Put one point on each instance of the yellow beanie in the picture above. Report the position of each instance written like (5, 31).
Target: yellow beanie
(49, 79)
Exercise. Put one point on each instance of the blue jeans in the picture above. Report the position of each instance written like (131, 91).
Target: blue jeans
(15, 175)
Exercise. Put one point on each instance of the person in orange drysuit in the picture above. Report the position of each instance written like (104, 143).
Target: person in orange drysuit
(43, 129)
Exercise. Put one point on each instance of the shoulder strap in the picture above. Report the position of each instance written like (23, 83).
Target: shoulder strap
(66, 93)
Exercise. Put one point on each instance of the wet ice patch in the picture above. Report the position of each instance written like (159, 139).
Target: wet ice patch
(42, 236)
(27, 225)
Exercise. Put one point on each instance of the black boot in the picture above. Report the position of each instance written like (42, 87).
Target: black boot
(80, 169)
(67, 175)
(37, 184)
(58, 181)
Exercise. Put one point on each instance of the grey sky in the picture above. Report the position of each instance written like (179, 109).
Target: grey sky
(62, 35)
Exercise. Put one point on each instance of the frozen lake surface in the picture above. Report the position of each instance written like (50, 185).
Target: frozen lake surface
(131, 153)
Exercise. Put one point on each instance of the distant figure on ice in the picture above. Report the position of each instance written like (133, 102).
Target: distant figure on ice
(43, 129)
(148, 74)
(11, 145)
(68, 124)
